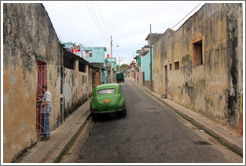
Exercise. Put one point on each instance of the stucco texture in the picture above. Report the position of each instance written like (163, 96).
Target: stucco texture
(75, 89)
(213, 86)
(28, 37)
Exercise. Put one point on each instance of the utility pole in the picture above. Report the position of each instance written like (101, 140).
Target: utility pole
(151, 82)
(111, 71)
(119, 64)
(133, 73)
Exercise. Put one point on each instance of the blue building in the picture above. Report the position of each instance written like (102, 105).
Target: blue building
(108, 62)
(96, 57)
(108, 68)
(145, 66)
(72, 47)
(145, 77)
(94, 54)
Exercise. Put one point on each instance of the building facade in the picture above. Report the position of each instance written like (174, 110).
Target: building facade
(200, 66)
(96, 57)
(147, 61)
(33, 57)
(108, 68)
(138, 68)
(75, 86)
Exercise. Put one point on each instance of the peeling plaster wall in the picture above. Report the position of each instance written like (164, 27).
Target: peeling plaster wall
(89, 90)
(75, 89)
(159, 56)
(211, 88)
(28, 36)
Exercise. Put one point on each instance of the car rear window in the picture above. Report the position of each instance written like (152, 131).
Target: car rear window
(106, 91)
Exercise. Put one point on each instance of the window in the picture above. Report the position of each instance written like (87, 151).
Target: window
(106, 91)
(88, 53)
(197, 53)
(82, 67)
(176, 65)
(170, 67)
(69, 63)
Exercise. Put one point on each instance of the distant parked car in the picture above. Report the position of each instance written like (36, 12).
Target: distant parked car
(107, 98)
(120, 77)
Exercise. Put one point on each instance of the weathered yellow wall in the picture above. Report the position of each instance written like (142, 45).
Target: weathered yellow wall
(19, 111)
(213, 87)
(54, 85)
(28, 37)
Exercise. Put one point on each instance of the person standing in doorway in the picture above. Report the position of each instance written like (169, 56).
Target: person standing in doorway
(46, 110)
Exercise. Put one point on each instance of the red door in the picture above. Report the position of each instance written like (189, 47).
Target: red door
(42, 80)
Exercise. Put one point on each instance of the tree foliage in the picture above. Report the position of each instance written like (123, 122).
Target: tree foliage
(123, 66)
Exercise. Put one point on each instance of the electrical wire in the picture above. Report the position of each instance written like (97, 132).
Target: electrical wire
(100, 13)
(186, 15)
(100, 27)
(96, 22)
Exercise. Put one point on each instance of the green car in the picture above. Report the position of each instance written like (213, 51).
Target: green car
(119, 77)
(107, 98)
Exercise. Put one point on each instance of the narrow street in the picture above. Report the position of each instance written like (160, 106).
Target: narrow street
(180, 67)
(149, 133)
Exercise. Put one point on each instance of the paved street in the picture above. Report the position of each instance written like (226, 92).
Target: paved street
(149, 133)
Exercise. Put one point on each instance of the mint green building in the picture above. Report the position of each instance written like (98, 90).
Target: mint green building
(94, 54)
(96, 57)
(108, 62)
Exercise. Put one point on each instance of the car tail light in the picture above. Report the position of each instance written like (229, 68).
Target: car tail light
(93, 109)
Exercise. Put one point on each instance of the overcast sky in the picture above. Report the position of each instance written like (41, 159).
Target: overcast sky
(91, 23)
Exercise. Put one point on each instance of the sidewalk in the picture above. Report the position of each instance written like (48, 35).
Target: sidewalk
(224, 135)
(61, 138)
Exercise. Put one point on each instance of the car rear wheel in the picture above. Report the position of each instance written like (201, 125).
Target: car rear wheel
(94, 116)
(123, 113)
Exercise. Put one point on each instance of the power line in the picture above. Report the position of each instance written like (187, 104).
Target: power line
(107, 28)
(96, 22)
(100, 13)
(186, 15)
(100, 27)
(97, 19)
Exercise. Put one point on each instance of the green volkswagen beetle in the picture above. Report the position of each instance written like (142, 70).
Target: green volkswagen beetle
(107, 98)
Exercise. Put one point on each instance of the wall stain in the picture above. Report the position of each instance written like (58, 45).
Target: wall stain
(191, 93)
(232, 43)
(186, 66)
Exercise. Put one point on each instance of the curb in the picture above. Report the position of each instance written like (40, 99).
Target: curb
(223, 141)
(73, 139)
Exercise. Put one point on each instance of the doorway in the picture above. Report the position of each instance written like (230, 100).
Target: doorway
(41, 81)
(165, 81)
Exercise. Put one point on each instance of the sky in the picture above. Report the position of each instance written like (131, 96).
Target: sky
(91, 23)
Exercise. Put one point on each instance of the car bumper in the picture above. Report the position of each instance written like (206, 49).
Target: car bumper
(108, 111)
